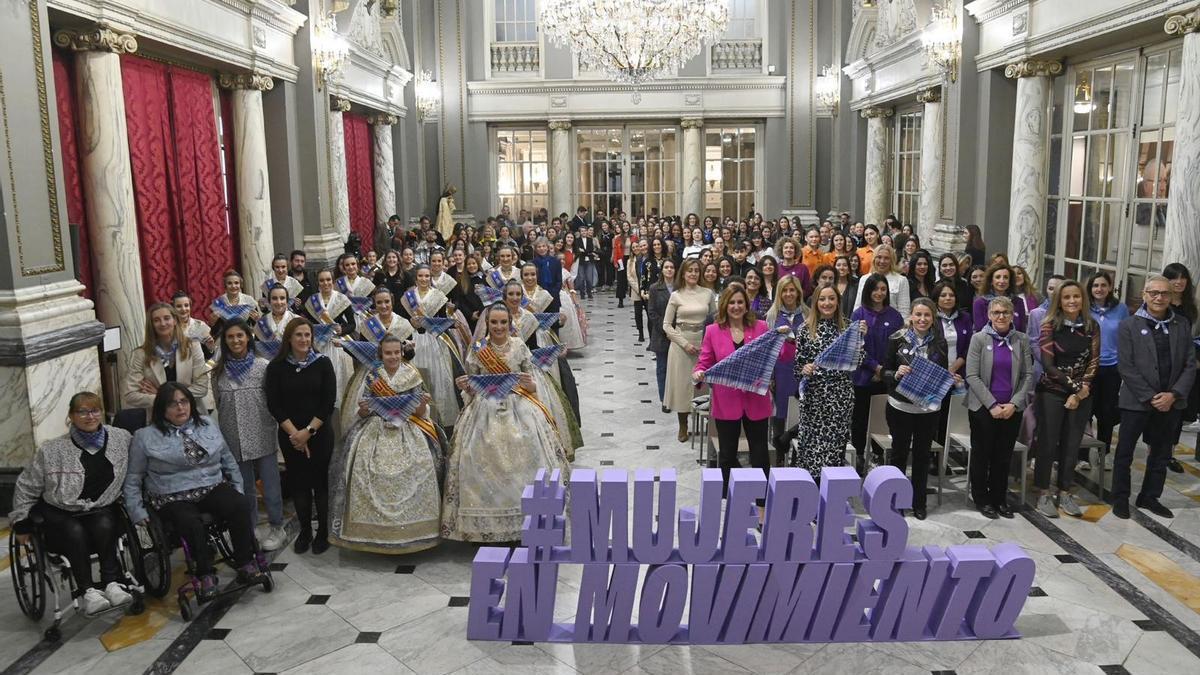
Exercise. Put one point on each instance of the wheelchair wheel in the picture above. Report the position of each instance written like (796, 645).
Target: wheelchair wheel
(185, 609)
(27, 563)
(53, 633)
(152, 559)
(268, 584)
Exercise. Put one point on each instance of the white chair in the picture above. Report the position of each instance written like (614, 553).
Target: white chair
(958, 433)
(879, 435)
(1086, 446)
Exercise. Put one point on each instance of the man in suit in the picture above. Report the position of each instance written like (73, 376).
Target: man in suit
(587, 252)
(580, 220)
(1157, 365)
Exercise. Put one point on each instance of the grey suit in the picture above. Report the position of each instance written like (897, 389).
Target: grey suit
(1137, 362)
(979, 371)
(992, 439)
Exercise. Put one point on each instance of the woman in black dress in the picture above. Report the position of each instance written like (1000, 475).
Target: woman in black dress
(301, 388)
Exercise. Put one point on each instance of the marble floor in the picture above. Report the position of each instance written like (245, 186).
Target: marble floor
(1110, 596)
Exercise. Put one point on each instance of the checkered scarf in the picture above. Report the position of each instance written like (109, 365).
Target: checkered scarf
(547, 357)
(90, 441)
(395, 408)
(546, 320)
(228, 312)
(845, 352)
(310, 359)
(363, 351)
(238, 368)
(267, 348)
(437, 324)
(488, 294)
(926, 385)
(323, 333)
(360, 304)
(751, 367)
(494, 386)
(166, 356)
(1163, 325)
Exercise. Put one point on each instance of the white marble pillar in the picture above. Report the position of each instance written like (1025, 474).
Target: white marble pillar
(1031, 144)
(560, 168)
(875, 208)
(932, 163)
(385, 172)
(255, 232)
(107, 179)
(693, 166)
(338, 187)
(1182, 242)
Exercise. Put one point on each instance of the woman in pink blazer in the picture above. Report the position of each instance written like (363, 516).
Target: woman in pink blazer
(734, 410)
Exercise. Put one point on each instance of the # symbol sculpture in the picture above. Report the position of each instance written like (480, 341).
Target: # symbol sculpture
(804, 580)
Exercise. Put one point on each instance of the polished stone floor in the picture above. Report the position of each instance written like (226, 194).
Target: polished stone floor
(1110, 596)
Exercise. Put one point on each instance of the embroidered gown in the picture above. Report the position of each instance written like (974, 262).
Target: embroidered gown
(550, 391)
(437, 356)
(497, 448)
(574, 332)
(385, 492)
(268, 328)
(372, 329)
(293, 286)
(825, 406)
(335, 308)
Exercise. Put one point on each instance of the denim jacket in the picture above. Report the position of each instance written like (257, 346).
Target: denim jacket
(158, 465)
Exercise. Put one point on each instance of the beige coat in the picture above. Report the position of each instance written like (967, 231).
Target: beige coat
(191, 372)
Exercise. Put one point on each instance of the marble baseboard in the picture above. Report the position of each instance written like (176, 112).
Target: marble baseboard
(34, 398)
(25, 351)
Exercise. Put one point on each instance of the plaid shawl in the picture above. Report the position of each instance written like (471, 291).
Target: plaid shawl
(395, 408)
(546, 320)
(322, 334)
(237, 368)
(926, 385)
(228, 312)
(363, 351)
(437, 325)
(267, 348)
(845, 353)
(494, 386)
(361, 305)
(547, 357)
(751, 367)
(488, 294)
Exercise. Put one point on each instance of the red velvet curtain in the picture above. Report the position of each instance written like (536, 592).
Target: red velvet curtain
(64, 90)
(183, 229)
(360, 177)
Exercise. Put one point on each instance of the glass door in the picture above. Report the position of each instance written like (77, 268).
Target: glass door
(600, 154)
(630, 169)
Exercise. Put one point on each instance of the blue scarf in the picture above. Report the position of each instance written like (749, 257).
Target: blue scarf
(312, 357)
(167, 356)
(917, 343)
(238, 368)
(1005, 339)
(1162, 325)
(92, 441)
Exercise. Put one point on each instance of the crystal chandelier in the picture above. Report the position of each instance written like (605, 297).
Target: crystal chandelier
(633, 41)
(329, 50)
(942, 40)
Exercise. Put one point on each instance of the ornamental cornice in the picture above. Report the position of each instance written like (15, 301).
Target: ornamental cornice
(560, 125)
(692, 122)
(99, 38)
(256, 81)
(930, 95)
(875, 112)
(382, 119)
(339, 104)
(681, 84)
(1182, 24)
(1033, 68)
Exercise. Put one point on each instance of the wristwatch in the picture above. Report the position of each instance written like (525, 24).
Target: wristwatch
(311, 431)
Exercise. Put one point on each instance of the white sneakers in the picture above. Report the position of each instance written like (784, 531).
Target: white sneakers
(94, 602)
(116, 594)
(274, 538)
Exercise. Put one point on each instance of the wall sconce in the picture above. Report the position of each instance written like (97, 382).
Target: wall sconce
(1083, 96)
(942, 40)
(428, 96)
(389, 8)
(828, 89)
(329, 50)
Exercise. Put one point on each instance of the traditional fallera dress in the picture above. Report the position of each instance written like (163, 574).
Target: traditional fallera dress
(574, 330)
(497, 448)
(331, 309)
(360, 287)
(385, 491)
(550, 392)
(268, 328)
(437, 355)
(293, 286)
(825, 407)
(372, 329)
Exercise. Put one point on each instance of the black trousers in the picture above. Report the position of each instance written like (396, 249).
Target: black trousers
(862, 411)
(1059, 434)
(622, 285)
(1159, 428)
(639, 308)
(308, 478)
(229, 508)
(1106, 390)
(77, 535)
(913, 433)
(728, 432)
(605, 270)
(992, 443)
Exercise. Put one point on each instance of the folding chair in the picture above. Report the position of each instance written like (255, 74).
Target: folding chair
(879, 435)
(958, 432)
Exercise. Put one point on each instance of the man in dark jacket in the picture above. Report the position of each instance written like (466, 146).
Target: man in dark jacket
(580, 220)
(1157, 365)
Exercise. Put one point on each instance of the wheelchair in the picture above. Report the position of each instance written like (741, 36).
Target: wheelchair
(157, 541)
(35, 569)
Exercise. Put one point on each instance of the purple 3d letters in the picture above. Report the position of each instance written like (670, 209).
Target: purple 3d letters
(804, 580)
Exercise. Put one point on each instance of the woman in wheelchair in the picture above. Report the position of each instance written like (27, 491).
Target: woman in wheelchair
(181, 467)
(68, 494)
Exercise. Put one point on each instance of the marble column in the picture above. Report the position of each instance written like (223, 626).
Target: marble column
(1031, 144)
(1182, 242)
(560, 168)
(875, 208)
(932, 163)
(693, 166)
(107, 179)
(385, 170)
(338, 188)
(255, 232)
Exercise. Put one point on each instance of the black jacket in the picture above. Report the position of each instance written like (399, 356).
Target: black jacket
(899, 353)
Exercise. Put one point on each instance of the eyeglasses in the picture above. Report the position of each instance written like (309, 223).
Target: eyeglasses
(88, 413)
(1000, 312)
(1156, 294)
(179, 403)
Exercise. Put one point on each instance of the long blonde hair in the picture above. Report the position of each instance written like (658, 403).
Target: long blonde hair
(815, 315)
(151, 339)
(777, 305)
